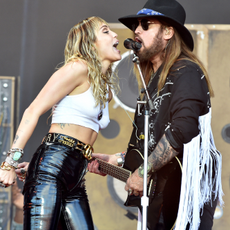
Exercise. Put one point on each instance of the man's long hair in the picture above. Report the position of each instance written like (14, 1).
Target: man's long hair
(176, 50)
(80, 47)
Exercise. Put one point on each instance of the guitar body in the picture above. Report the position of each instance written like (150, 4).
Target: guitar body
(163, 191)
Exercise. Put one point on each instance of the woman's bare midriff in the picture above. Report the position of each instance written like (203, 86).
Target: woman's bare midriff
(83, 134)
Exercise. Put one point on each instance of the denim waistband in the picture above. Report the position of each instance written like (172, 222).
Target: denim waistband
(69, 142)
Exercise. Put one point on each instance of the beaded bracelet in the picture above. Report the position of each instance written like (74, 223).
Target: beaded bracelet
(150, 170)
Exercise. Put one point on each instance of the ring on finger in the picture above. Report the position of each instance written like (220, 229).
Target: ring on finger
(2, 185)
(130, 191)
(23, 171)
(136, 193)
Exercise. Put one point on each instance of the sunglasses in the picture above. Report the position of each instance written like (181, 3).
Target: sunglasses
(144, 24)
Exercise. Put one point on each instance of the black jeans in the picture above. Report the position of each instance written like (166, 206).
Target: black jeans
(54, 192)
(206, 218)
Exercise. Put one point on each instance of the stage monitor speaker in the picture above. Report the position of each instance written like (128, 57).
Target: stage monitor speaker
(7, 105)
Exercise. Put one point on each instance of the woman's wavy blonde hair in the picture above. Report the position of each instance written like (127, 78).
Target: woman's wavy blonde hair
(80, 46)
(176, 50)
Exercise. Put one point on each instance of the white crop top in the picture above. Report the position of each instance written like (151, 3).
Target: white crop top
(80, 110)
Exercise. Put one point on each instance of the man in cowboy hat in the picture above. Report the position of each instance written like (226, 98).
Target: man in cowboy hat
(179, 87)
(179, 123)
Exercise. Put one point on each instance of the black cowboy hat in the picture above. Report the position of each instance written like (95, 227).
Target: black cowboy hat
(169, 11)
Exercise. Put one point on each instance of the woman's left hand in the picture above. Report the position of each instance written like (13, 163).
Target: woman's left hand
(21, 170)
(94, 165)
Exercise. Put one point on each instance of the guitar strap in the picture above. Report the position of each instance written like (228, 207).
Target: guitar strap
(133, 142)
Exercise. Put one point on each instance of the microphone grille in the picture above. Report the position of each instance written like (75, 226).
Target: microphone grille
(127, 43)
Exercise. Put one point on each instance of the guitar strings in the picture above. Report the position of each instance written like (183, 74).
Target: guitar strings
(109, 169)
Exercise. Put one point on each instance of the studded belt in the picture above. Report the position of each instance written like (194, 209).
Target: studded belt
(69, 142)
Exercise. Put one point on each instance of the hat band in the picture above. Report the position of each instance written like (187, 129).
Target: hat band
(148, 12)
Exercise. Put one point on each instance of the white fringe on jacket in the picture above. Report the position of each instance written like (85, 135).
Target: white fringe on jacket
(197, 181)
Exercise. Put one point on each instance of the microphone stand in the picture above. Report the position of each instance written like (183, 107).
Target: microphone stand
(148, 103)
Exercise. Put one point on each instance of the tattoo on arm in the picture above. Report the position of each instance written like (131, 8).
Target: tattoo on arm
(15, 139)
(27, 122)
(162, 154)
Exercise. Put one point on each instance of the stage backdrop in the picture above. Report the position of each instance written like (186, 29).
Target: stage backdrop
(33, 35)
(107, 194)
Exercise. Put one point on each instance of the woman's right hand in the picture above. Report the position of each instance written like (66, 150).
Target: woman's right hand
(7, 178)
(21, 170)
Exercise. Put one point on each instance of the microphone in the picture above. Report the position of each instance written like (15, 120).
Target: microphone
(133, 45)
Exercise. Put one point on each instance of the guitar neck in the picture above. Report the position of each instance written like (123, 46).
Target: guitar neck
(113, 170)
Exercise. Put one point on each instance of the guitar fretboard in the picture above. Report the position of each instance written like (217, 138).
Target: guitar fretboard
(113, 170)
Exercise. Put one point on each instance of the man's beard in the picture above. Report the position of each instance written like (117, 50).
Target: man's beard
(156, 48)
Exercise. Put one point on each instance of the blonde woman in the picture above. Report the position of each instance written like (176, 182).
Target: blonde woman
(78, 93)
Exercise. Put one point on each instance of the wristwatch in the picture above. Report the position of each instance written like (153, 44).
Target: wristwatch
(149, 170)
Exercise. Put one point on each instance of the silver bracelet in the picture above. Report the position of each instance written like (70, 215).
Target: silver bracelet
(13, 156)
(121, 159)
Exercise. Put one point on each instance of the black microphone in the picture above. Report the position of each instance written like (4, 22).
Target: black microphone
(133, 45)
